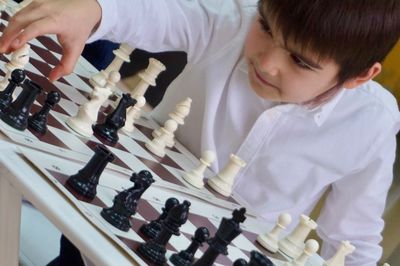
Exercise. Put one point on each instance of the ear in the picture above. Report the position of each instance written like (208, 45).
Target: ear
(374, 70)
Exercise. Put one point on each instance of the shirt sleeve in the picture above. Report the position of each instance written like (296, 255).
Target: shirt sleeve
(192, 26)
(354, 206)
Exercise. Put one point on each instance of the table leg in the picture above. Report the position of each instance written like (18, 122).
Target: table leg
(10, 220)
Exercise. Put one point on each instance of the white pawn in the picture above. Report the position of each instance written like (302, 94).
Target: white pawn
(133, 113)
(195, 176)
(87, 113)
(181, 111)
(339, 258)
(223, 181)
(270, 240)
(311, 247)
(19, 59)
(386, 264)
(293, 244)
(121, 56)
(158, 144)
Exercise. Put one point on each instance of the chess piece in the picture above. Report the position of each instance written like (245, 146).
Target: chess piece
(148, 77)
(86, 180)
(228, 230)
(17, 77)
(256, 259)
(154, 250)
(186, 257)
(152, 228)
(339, 258)
(19, 59)
(195, 176)
(38, 121)
(114, 121)
(87, 113)
(121, 56)
(125, 202)
(182, 110)
(3, 5)
(223, 181)
(16, 114)
(169, 139)
(270, 240)
(158, 144)
(133, 113)
(293, 244)
(311, 247)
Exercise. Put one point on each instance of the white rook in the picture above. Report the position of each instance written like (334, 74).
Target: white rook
(148, 77)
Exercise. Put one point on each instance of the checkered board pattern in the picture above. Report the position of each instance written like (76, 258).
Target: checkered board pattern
(57, 170)
(130, 152)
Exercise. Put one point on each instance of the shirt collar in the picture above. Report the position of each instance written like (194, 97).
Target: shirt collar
(319, 114)
(322, 112)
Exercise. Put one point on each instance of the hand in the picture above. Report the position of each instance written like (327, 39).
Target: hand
(72, 21)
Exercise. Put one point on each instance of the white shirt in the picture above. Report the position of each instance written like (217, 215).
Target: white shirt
(293, 154)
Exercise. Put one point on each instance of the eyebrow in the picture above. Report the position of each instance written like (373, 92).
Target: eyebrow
(306, 60)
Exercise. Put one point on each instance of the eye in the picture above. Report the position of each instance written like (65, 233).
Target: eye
(264, 26)
(300, 63)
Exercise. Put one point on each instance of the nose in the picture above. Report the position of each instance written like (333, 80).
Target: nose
(268, 62)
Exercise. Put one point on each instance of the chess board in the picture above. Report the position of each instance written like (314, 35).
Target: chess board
(202, 213)
(130, 152)
(62, 152)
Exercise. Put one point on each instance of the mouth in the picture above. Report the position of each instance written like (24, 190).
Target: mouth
(261, 79)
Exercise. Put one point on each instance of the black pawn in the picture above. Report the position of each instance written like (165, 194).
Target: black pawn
(16, 114)
(154, 250)
(154, 227)
(125, 202)
(256, 259)
(185, 257)
(114, 121)
(227, 231)
(17, 77)
(86, 180)
(38, 121)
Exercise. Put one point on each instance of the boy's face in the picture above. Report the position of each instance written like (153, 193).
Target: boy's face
(283, 73)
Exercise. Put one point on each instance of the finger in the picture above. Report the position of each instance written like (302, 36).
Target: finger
(67, 63)
(38, 28)
(17, 24)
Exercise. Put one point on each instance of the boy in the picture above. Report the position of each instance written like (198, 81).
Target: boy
(284, 84)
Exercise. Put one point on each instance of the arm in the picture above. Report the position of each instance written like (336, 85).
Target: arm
(355, 205)
(69, 20)
(193, 26)
(153, 25)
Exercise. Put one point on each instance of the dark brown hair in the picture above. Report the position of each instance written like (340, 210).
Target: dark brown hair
(354, 33)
